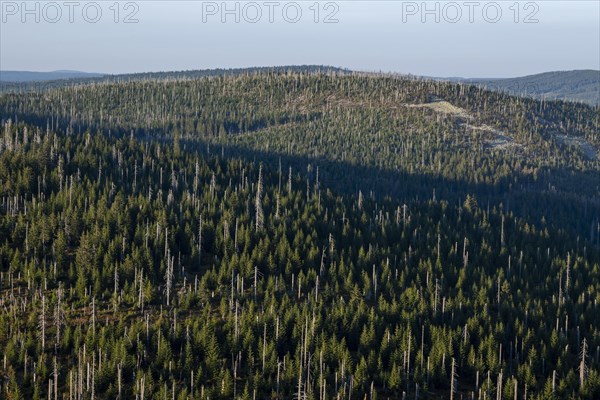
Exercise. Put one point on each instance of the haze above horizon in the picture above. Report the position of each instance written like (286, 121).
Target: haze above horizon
(489, 39)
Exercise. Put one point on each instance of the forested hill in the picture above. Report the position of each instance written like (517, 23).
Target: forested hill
(297, 235)
(579, 85)
(401, 137)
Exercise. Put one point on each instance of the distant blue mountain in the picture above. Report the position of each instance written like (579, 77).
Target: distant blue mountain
(579, 85)
(30, 76)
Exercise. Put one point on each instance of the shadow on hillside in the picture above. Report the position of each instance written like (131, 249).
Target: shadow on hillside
(550, 198)
(559, 198)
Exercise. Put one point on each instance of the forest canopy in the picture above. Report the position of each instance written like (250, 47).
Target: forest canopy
(302, 235)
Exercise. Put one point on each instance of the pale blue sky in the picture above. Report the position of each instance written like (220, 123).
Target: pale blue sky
(369, 35)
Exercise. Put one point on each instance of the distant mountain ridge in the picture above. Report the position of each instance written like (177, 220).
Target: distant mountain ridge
(578, 85)
(34, 76)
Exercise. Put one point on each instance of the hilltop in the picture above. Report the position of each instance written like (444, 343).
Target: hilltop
(576, 86)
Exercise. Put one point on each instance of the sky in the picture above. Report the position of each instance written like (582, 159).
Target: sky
(444, 38)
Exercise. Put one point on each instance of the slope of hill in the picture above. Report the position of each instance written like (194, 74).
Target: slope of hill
(450, 131)
(579, 85)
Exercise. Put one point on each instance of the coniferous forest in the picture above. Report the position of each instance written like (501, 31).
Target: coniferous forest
(297, 235)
